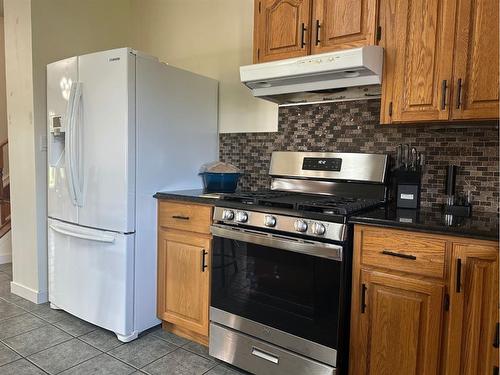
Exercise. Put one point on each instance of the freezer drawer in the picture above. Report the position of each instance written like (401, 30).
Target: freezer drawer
(91, 275)
(259, 357)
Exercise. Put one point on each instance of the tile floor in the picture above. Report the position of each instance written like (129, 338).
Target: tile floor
(34, 339)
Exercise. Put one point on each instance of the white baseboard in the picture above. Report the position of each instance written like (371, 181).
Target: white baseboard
(5, 258)
(28, 293)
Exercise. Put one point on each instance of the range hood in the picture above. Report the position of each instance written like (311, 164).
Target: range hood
(324, 73)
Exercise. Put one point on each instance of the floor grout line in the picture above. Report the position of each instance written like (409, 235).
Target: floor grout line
(211, 361)
(34, 364)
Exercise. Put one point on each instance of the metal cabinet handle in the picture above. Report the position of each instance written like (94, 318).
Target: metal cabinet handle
(318, 27)
(496, 340)
(363, 298)
(179, 217)
(399, 255)
(303, 35)
(459, 275)
(204, 254)
(444, 87)
(459, 93)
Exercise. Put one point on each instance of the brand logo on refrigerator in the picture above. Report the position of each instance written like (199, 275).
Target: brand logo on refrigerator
(111, 59)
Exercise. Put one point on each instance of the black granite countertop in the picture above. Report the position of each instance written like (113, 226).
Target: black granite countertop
(481, 225)
(193, 195)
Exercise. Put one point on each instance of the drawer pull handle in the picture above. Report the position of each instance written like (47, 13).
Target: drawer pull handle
(179, 217)
(264, 355)
(363, 298)
(394, 254)
(203, 260)
(458, 285)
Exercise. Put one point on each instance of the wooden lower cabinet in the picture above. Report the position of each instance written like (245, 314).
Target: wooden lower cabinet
(473, 315)
(184, 282)
(396, 325)
(404, 322)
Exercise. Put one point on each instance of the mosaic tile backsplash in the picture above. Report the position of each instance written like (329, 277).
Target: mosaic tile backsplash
(354, 127)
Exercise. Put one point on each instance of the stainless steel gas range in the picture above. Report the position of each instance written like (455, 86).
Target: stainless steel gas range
(281, 266)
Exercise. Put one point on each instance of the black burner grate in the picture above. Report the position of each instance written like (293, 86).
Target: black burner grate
(333, 205)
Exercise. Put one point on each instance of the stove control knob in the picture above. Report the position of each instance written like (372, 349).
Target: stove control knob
(270, 221)
(241, 217)
(300, 226)
(318, 229)
(227, 215)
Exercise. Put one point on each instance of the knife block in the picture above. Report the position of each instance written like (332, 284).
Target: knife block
(407, 186)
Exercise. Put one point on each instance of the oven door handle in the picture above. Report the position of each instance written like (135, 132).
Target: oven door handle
(314, 248)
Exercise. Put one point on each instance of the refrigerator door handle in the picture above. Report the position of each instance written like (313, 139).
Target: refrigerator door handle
(83, 233)
(76, 145)
(68, 143)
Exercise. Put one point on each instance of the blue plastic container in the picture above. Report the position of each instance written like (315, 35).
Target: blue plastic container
(220, 182)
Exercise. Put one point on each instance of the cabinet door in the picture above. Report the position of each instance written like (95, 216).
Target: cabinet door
(418, 40)
(281, 29)
(183, 280)
(395, 325)
(342, 24)
(476, 60)
(473, 311)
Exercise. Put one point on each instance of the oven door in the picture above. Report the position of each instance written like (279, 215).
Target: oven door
(283, 290)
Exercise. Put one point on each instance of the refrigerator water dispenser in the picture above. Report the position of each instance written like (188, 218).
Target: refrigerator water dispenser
(57, 141)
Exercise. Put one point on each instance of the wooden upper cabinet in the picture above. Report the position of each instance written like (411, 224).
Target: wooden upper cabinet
(473, 314)
(396, 325)
(476, 60)
(441, 60)
(419, 39)
(343, 24)
(281, 29)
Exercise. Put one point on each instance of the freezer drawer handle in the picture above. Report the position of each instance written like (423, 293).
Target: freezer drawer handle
(267, 356)
(109, 238)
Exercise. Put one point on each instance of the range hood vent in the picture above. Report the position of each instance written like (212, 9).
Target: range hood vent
(316, 74)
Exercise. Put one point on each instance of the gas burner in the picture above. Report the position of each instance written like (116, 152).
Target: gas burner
(339, 205)
(253, 197)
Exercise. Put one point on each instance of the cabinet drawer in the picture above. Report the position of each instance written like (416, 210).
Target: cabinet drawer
(185, 216)
(403, 251)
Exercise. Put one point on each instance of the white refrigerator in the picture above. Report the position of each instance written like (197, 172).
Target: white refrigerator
(121, 126)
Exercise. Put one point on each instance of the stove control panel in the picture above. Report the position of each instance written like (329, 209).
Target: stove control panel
(282, 223)
(322, 164)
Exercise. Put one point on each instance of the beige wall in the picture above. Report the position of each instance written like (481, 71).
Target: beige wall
(5, 242)
(209, 37)
(3, 99)
(37, 33)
